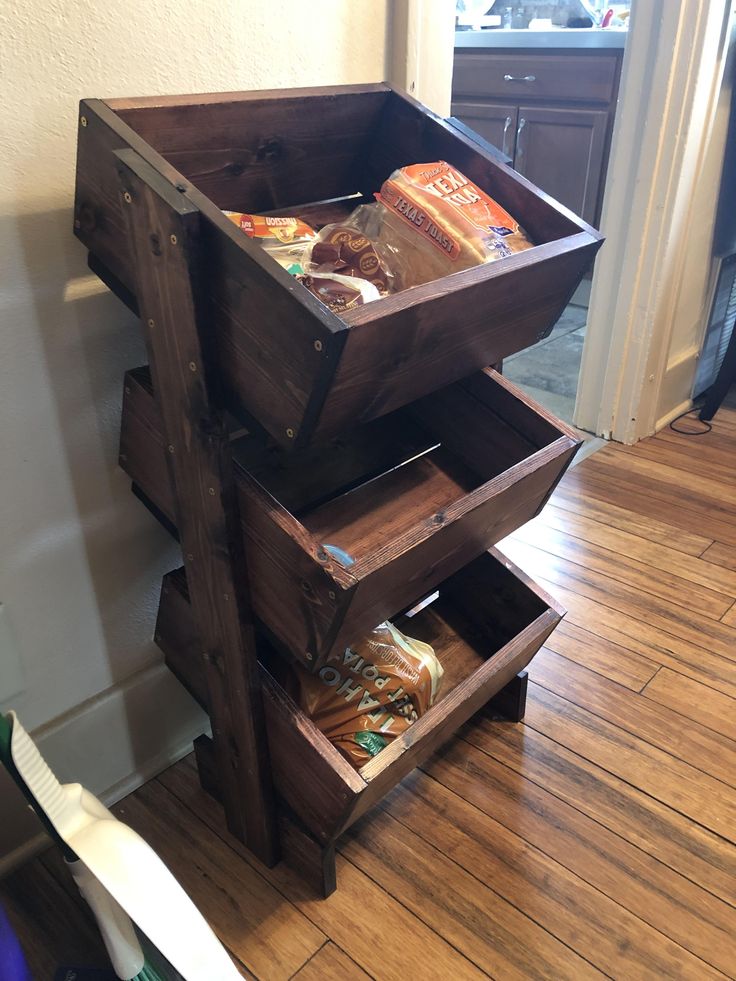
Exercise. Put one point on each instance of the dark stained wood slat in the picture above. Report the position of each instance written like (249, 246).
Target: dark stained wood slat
(693, 851)
(721, 555)
(467, 913)
(330, 963)
(673, 589)
(573, 499)
(613, 939)
(354, 916)
(701, 571)
(269, 936)
(658, 725)
(676, 620)
(695, 701)
(601, 655)
(648, 888)
(164, 235)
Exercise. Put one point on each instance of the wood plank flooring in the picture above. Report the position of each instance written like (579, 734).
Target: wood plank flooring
(595, 839)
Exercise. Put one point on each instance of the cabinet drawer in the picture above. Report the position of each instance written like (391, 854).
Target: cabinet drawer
(341, 536)
(519, 77)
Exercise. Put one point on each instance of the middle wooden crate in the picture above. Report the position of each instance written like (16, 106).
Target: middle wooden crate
(342, 535)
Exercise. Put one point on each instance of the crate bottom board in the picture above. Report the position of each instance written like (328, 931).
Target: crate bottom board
(485, 626)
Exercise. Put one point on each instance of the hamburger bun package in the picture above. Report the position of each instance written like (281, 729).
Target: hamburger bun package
(370, 693)
(283, 238)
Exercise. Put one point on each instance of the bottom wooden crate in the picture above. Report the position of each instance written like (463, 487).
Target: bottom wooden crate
(486, 624)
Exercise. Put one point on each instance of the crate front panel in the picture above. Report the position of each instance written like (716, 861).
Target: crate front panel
(286, 360)
(486, 626)
(407, 528)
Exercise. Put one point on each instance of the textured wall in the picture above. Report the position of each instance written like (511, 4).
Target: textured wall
(80, 560)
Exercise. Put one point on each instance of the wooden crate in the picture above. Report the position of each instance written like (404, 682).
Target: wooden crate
(485, 627)
(411, 498)
(284, 359)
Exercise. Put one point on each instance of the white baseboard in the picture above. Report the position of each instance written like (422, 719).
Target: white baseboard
(666, 419)
(115, 742)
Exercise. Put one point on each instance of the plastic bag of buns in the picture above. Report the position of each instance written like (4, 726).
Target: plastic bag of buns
(447, 221)
(284, 238)
(366, 696)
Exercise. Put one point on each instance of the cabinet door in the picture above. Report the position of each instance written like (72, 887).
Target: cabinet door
(561, 151)
(495, 122)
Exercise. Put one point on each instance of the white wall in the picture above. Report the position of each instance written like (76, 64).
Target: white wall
(80, 559)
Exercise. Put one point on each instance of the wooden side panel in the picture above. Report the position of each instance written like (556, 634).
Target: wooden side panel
(297, 590)
(264, 330)
(260, 151)
(308, 773)
(164, 234)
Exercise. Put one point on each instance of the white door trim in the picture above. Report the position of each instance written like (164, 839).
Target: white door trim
(672, 71)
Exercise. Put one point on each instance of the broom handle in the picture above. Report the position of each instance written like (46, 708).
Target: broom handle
(115, 925)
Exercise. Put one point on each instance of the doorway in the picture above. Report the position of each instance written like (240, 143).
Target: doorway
(540, 82)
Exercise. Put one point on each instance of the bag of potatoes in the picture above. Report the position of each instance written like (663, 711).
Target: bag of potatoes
(369, 694)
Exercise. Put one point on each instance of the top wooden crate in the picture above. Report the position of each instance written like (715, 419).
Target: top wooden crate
(285, 360)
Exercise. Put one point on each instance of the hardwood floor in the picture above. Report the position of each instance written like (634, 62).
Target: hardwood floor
(596, 838)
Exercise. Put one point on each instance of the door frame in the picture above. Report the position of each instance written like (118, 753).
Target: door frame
(671, 74)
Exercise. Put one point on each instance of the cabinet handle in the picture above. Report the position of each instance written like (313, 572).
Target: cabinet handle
(519, 147)
(519, 78)
(504, 143)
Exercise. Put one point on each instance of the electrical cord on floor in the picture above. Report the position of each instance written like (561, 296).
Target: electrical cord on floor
(691, 432)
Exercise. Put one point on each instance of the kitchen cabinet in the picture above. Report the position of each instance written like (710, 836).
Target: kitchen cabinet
(551, 112)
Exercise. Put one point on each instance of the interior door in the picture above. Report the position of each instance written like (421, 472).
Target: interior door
(495, 122)
(561, 151)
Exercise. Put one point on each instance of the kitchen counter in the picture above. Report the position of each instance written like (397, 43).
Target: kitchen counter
(583, 39)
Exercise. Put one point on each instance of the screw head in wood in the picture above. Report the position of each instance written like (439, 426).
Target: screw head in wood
(173, 239)
(151, 322)
(170, 447)
(127, 389)
(309, 656)
(318, 345)
(290, 432)
(211, 491)
(226, 596)
(332, 594)
(192, 366)
(190, 557)
(126, 197)
(83, 120)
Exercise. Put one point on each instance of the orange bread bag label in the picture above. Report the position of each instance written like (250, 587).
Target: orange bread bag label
(452, 213)
(272, 228)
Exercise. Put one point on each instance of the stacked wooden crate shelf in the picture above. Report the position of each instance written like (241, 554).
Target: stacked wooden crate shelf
(272, 436)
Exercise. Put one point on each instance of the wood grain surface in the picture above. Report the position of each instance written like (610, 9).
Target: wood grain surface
(596, 838)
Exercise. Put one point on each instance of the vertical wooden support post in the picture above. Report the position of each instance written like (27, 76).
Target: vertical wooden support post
(163, 228)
